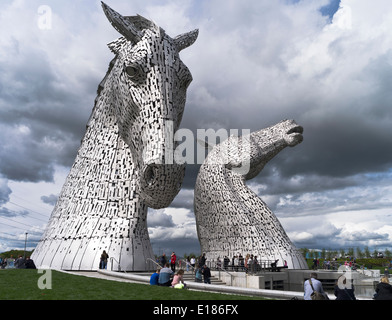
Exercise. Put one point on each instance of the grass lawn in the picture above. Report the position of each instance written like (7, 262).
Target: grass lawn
(22, 284)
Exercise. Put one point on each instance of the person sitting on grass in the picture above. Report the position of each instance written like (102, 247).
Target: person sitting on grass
(164, 276)
(178, 280)
(155, 277)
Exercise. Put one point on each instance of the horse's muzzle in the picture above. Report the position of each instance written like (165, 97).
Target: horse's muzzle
(160, 183)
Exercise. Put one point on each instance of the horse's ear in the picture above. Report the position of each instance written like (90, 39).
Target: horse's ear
(186, 39)
(117, 44)
(122, 24)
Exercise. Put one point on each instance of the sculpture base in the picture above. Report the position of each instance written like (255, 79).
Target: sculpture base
(85, 254)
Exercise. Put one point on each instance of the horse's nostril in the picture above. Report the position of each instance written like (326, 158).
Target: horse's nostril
(150, 175)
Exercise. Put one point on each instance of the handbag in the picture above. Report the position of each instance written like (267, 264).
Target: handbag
(317, 295)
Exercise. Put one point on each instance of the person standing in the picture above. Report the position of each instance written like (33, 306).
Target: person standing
(20, 263)
(187, 262)
(218, 263)
(193, 262)
(246, 262)
(30, 264)
(163, 260)
(198, 275)
(226, 262)
(207, 274)
(250, 263)
(104, 260)
(241, 262)
(202, 260)
(173, 259)
(10, 262)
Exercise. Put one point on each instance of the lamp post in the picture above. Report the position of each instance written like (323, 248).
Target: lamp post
(24, 256)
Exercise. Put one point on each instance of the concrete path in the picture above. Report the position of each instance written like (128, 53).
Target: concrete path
(219, 288)
(143, 278)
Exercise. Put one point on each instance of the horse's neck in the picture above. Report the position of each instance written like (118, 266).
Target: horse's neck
(101, 191)
(103, 146)
(103, 168)
(260, 151)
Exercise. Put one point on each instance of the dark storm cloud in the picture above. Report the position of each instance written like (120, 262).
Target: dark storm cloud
(7, 213)
(184, 199)
(31, 99)
(39, 96)
(159, 219)
(43, 90)
(334, 150)
(5, 191)
(51, 199)
(348, 136)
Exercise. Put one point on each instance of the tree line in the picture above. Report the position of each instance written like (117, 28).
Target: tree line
(358, 253)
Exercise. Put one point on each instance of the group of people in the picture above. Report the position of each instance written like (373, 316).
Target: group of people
(19, 263)
(238, 263)
(166, 276)
(172, 261)
(333, 264)
(313, 289)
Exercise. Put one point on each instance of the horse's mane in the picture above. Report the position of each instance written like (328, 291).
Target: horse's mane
(102, 83)
(101, 86)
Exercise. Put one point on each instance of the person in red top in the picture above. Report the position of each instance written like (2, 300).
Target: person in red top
(173, 261)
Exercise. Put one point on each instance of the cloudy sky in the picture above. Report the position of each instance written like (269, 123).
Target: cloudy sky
(325, 63)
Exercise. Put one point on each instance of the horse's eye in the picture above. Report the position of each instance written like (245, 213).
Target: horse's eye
(132, 71)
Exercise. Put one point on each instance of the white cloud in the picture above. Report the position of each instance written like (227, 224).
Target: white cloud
(300, 237)
(171, 224)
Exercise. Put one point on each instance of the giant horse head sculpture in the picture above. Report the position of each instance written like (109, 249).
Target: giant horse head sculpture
(148, 95)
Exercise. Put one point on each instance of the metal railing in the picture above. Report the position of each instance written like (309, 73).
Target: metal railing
(215, 267)
(148, 260)
(118, 263)
(334, 265)
(187, 264)
(231, 276)
(252, 268)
